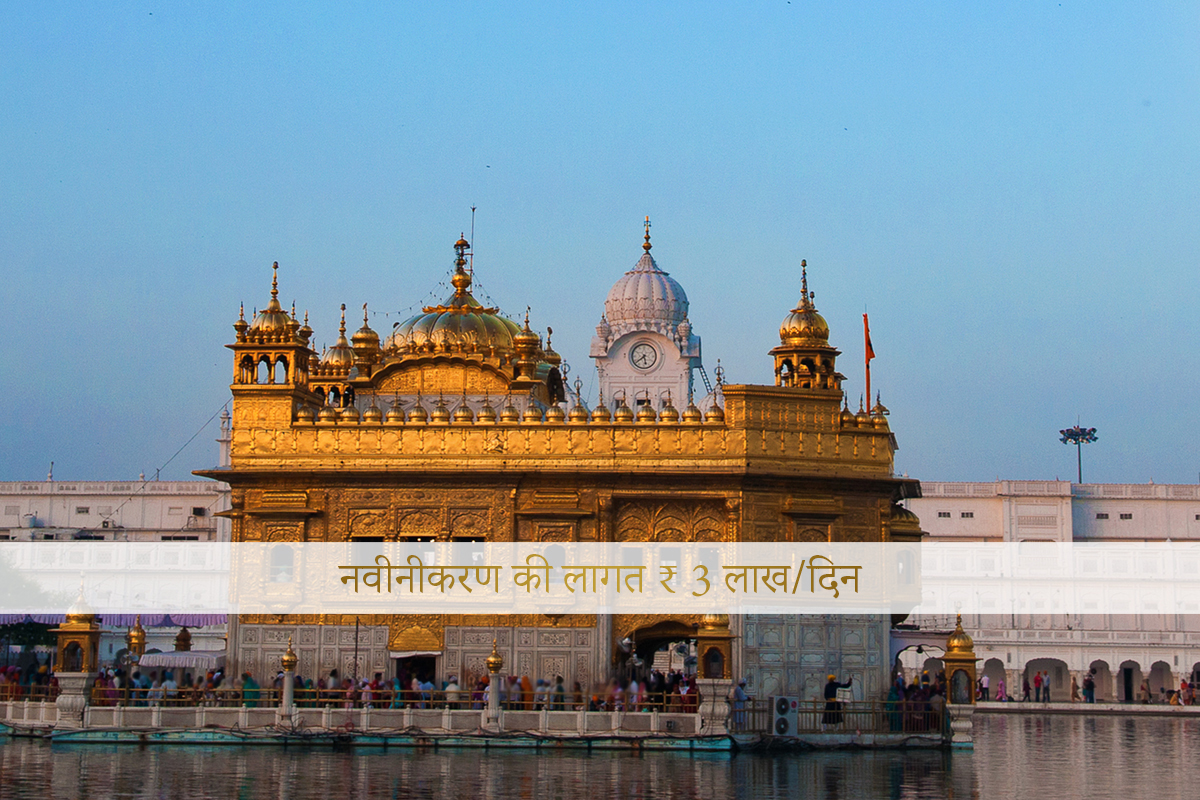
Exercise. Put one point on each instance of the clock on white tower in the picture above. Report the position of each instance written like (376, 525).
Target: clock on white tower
(644, 344)
(643, 355)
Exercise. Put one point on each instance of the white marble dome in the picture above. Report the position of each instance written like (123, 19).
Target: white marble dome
(645, 298)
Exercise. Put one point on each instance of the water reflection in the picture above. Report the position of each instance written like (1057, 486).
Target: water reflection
(1095, 757)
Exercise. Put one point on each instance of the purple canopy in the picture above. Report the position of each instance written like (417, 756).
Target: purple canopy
(126, 620)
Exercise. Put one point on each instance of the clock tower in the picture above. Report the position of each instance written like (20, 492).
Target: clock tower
(644, 347)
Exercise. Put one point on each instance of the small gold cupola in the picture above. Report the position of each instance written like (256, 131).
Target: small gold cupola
(365, 343)
(804, 358)
(340, 357)
(272, 319)
(273, 349)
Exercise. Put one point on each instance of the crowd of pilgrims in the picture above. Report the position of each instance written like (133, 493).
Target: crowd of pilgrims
(32, 682)
(916, 706)
(669, 692)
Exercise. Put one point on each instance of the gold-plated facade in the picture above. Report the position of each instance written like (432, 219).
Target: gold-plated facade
(762, 464)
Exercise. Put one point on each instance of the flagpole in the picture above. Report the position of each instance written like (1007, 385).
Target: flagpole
(867, 356)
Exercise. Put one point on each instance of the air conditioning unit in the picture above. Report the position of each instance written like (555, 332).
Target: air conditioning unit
(786, 715)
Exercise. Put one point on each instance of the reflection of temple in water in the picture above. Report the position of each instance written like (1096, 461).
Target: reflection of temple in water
(298, 773)
(459, 425)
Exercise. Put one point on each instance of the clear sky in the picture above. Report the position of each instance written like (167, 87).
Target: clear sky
(1011, 190)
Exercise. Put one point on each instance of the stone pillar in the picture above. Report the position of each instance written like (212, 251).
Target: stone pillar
(714, 705)
(1012, 683)
(74, 689)
(288, 661)
(495, 662)
(961, 725)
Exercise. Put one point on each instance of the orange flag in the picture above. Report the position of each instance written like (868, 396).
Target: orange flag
(870, 351)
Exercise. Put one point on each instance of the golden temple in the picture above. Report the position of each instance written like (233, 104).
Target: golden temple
(457, 426)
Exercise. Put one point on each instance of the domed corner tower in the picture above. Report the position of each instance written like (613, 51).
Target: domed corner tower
(804, 358)
(644, 345)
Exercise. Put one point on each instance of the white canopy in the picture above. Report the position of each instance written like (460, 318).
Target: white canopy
(191, 659)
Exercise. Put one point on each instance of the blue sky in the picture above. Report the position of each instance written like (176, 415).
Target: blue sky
(1012, 193)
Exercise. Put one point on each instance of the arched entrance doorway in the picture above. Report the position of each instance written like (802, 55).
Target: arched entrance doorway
(1055, 671)
(1161, 683)
(918, 662)
(993, 670)
(1129, 681)
(665, 645)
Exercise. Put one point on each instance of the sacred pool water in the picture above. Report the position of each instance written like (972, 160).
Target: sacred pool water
(1015, 756)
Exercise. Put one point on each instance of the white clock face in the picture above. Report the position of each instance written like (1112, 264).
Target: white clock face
(643, 356)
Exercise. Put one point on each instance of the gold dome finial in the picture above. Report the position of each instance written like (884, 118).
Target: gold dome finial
(646, 245)
(289, 659)
(342, 329)
(461, 280)
(135, 639)
(805, 297)
(495, 662)
(241, 312)
(275, 280)
(803, 326)
(365, 315)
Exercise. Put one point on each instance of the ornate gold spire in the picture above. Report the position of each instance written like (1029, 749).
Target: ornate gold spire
(289, 659)
(805, 298)
(646, 245)
(804, 324)
(272, 319)
(340, 357)
(461, 280)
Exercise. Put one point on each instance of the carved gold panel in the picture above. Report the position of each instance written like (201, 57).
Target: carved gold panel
(368, 522)
(448, 379)
(672, 521)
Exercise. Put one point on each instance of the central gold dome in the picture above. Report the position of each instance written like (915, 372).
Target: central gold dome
(461, 323)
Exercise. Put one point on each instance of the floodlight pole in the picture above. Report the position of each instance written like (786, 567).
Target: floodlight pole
(1078, 436)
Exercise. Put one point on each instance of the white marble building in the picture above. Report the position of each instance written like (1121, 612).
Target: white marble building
(1029, 636)
(124, 511)
(644, 346)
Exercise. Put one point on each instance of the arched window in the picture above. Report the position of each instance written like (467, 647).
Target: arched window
(72, 658)
(335, 397)
(264, 370)
(281, 564)
(246, 370)
(714, 663)
(281, 370)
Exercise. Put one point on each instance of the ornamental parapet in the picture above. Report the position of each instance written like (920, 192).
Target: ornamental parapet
(769, 432)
